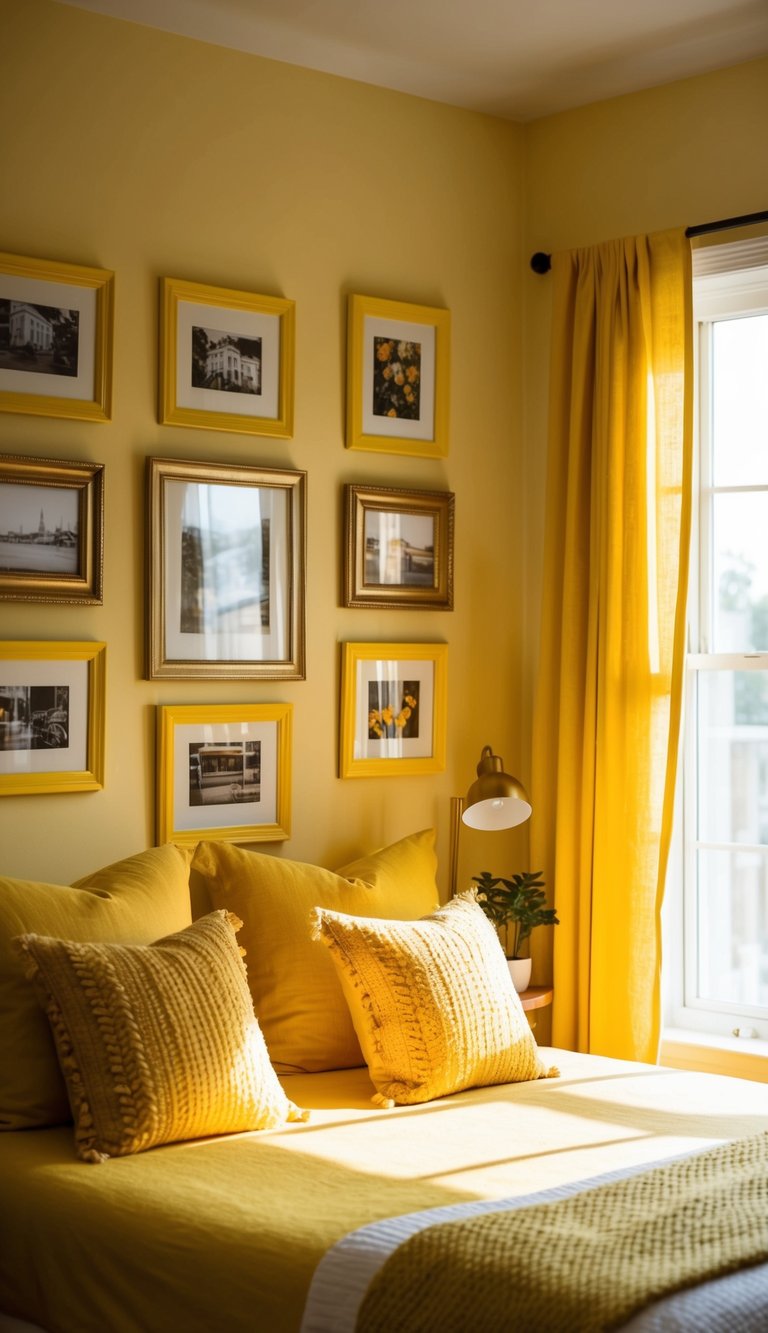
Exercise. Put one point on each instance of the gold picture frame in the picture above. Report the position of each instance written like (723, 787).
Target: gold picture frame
(227, 359)
(221, 765)
(51, 531)
(393, 709)
(398, 377)
(225, 571)
(52, 709)
(55, 338)
(398, 549)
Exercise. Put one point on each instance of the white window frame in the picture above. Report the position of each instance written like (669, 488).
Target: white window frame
(730, 281)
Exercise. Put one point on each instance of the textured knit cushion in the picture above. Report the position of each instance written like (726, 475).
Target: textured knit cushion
(157, 1042)
(133, 901)
(432, 1002)
(296, 994)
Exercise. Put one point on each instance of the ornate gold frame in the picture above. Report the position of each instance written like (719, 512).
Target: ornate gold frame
(84, 587)
(360, 589)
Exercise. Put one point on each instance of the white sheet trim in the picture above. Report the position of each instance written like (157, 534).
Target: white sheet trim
(345, 1272)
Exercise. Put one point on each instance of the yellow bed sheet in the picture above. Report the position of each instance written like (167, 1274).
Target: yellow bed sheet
(226, 1233)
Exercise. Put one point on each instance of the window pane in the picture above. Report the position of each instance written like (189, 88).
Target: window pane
(732, 943)
(740, 401)
(740, 568)
(733, 756)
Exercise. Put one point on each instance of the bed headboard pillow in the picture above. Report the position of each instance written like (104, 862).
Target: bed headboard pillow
(157, 1042)
(432, 1002)
(134, 901)
(296, 993)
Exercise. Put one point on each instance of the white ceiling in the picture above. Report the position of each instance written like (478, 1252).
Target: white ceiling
(518, 59)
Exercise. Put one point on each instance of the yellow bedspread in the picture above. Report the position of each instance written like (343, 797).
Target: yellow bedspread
(226, 1233)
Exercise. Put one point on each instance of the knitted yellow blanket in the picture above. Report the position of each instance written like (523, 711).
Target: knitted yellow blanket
(585, 1263)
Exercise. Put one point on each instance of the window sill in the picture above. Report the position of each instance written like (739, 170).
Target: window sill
(739, 1057)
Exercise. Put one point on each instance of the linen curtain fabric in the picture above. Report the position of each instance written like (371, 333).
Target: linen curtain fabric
(607, 713)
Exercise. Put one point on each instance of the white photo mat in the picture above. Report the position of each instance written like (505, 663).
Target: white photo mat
(238, 323)
(62, 296)
(394, 673)
(264, 811)
(423, 428)
(60, 759)
(264, 644)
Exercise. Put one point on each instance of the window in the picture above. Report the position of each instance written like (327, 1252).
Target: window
(717, 925)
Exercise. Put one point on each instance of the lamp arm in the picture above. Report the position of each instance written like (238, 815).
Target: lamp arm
(457, 808)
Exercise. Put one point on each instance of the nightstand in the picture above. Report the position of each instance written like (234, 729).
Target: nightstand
(536, 997)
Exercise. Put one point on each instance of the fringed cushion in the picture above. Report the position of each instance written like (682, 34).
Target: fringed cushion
(295, 990)
(132, 902)
(156, 1042)
(432, 1002)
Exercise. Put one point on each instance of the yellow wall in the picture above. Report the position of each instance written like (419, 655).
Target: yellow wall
(154, 155)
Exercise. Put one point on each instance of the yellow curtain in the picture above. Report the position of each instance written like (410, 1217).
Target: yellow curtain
(609, 689)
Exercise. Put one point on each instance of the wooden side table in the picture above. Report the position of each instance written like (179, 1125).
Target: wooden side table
(536, 997)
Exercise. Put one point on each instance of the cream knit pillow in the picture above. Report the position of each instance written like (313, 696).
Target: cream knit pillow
(156, 1042)
(432, 1002)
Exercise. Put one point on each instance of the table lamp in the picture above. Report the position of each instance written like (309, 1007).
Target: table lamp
(494, 801)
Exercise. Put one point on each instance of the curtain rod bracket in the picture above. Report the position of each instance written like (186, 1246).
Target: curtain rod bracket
(541, 262)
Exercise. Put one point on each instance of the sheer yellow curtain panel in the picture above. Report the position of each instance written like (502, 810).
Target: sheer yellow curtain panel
(609, 687)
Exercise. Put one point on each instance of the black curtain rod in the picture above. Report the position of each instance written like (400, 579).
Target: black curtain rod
(542, 262)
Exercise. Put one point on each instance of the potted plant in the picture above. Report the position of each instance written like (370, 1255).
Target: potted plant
(515, 905)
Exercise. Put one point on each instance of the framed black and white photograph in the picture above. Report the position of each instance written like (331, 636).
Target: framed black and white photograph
(51, 530)
(398, 548)
(224, 772)
(393, 709)
(52, 702)
(398, 377)
(55, 338)
(227, 359)
(225, 559)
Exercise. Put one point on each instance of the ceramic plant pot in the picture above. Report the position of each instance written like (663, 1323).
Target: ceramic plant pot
(520, 972)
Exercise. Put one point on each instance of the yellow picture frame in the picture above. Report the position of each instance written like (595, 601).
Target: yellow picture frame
(52, 711)
(393, 709)
(215, 760)
(223, 349)
(56, 342)
(398, 377)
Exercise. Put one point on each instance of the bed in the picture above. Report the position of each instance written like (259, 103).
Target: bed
(285, 1228)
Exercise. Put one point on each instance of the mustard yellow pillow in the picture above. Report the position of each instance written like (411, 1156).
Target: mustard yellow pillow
(432, 1002)
(157, 1042)
(296, 994)
(132, 901)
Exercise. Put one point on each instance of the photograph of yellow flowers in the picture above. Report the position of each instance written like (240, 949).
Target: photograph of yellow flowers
(393, 709)
(398, 363)
(398, 548)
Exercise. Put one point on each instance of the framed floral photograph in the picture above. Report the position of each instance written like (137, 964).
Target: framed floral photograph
(393, 709)
(51, 531)
(52, 705)
(224, 772)
(227, 359)
(55, 338)
(398, 549)
(398, 368)
(226, 576)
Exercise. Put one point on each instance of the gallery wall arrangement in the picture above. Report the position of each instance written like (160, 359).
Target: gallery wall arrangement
(225, 546)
